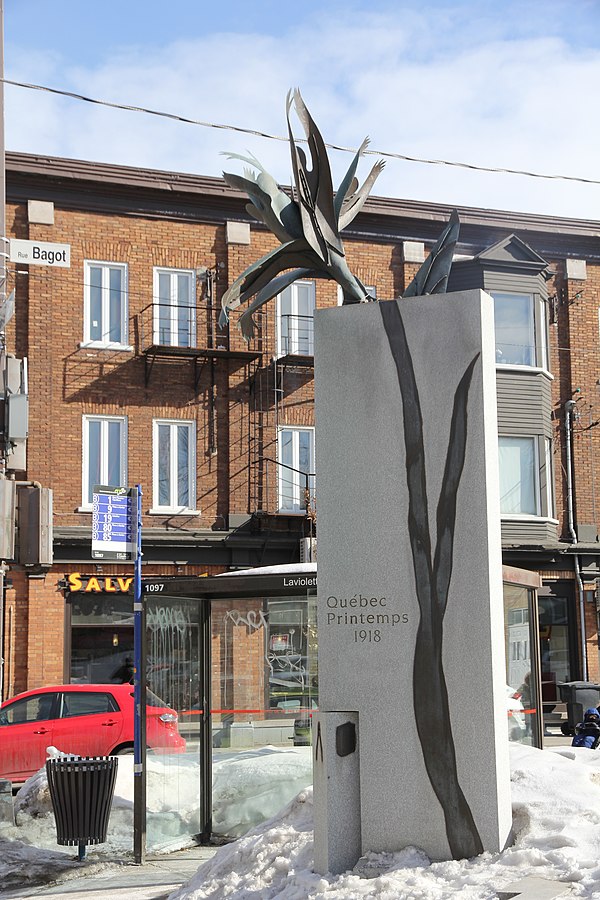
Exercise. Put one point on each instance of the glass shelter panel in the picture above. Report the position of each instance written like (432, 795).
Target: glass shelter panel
(174, 705)
(522, 696)
(264, 690)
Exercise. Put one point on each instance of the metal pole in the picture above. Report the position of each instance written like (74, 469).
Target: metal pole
(139, 696)
(570, 407)
(206, 724)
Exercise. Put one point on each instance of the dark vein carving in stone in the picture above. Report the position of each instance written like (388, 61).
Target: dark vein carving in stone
(432, 580)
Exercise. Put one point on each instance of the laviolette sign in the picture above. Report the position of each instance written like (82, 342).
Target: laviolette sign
(90, 584)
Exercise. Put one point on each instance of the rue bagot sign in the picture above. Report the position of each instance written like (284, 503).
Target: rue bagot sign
(40, 253)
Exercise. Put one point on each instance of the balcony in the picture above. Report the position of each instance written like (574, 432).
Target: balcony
(296, 341)
(177, 331)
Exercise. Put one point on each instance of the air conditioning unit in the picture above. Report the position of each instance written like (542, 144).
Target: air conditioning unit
(308, 550)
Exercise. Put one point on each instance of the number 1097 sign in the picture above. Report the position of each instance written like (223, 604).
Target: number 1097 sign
(114, 523)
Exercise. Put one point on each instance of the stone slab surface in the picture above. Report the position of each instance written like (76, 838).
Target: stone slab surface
(368, 613)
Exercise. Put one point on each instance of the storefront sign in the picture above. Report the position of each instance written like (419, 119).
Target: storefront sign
(92, 584)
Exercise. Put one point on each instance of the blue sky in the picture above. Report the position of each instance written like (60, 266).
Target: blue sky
(504, 85)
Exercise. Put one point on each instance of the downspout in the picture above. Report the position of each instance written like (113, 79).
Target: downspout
(569, 408)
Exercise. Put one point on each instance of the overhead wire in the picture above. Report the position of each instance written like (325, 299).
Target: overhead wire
(389, 154)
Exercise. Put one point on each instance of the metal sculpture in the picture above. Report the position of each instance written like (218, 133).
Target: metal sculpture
(311, 246)
(308, 227)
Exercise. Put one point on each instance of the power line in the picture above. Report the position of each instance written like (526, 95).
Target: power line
(284, 138)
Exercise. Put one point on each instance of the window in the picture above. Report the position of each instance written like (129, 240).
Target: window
(32, 709)
(174, 465)
(104, 453)
(105, 306)
(296, 455)
(371, 290)
(174, 307)
(548, 480)
(295, 323)
(519, 476)
(520, 328)
(87, 704)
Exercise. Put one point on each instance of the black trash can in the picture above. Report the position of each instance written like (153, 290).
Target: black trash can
(578, 696)
(81, 789)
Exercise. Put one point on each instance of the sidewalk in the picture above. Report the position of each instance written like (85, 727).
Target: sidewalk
(155, 880)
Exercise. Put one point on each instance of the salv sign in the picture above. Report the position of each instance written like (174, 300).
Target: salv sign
(40, 253)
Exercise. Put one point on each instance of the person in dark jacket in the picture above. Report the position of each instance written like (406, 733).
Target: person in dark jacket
(587, 733)
(125, 672)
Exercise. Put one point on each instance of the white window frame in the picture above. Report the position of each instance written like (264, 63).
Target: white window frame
(173, 508)
(549, 478)
(291, 347)
(538, 335)
(536, 476)
(105, 266)
(371, 290)
(297, 479)
(87, 487)
(173, 274)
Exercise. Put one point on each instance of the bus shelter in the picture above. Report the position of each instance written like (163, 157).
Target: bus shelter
(236, 656)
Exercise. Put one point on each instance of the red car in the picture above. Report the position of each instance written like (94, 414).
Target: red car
(83, 719)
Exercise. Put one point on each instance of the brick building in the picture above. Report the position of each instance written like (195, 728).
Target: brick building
(131, 381)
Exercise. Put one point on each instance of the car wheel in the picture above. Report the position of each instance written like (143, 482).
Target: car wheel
(127, 750)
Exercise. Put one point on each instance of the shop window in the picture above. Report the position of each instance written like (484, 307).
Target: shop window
(296, 457)
(174, 307)
(104, 453)
(556, 642)
(105, 304)
(520, 330)
(295, 319)
(174, 466)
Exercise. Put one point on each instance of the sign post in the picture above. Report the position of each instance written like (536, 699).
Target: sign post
(117, 536)
(139, 694)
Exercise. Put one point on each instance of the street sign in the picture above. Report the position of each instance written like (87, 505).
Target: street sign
(114, 523)
(40, 253)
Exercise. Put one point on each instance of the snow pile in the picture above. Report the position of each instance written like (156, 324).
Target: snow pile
(556, 818)
(255, 785)
(556, 808)
(248, 788)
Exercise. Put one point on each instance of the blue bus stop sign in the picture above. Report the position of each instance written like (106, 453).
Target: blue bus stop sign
(114, 523)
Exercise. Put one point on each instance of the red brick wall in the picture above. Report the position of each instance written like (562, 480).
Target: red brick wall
(67, 382)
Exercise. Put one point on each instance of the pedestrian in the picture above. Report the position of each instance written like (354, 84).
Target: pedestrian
(125, 672)
(587, 733)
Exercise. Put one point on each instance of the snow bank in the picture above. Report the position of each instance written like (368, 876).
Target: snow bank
(556, 804)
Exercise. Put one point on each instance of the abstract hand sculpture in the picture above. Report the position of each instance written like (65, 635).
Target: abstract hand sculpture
(308, 227)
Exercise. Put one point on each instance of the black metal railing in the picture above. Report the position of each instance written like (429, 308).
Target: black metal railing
(296, 335)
